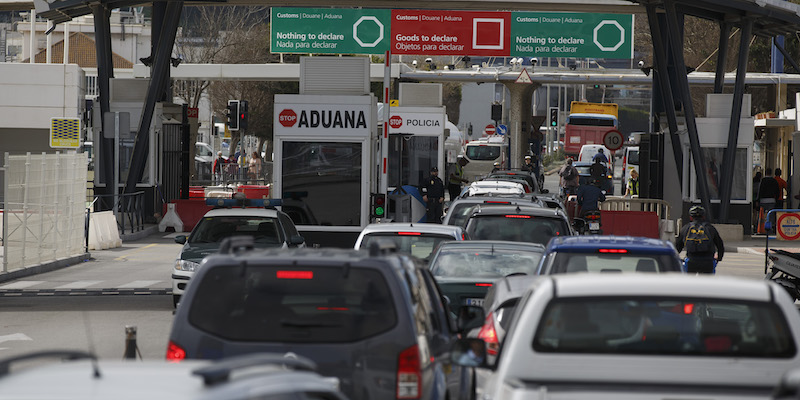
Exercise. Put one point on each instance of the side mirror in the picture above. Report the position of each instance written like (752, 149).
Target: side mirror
(469, 353)
(470, 317)
(180, 239)
(296, 240)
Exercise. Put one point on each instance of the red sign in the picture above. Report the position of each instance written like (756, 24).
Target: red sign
(396, 121)
(458, 33)
(287, 118)
(788, 226)
(490, 129)
(193, 112)
(613, 140)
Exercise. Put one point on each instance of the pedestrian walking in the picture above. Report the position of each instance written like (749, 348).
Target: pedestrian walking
(217, 168)
(254, 167)
(433, 196)
(456, 178)
(569, 178)
(701, 241)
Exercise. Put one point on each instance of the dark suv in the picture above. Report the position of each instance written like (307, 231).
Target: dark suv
(375, 321)
(517, 223)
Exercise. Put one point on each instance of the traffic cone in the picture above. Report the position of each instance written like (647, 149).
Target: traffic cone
(761, 221)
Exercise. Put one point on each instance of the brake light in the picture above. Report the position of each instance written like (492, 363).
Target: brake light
(489, 335)
(175, 353)
(332, 308)
(593, 216)
(295, 275)
(613, 251)
(688, 308)
(409, 233)
(409, 374)
(483, 284)
(517, 216)
(496, 202)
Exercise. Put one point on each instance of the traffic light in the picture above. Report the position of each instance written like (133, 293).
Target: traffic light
(243, 115)
(233, 115)
(378, 205)
(497, 112)
(553, 116)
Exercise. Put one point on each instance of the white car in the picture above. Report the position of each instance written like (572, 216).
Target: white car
(488, 186)
(268, 226)
(653, 335)
(418, 239)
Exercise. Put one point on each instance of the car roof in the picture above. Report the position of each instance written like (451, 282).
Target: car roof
(664, 285)
(518, 209)
(117, 379)
(388, 227)
(523, 198)
(594, 242)
(243, 212)
(509, 287)
(487, 244)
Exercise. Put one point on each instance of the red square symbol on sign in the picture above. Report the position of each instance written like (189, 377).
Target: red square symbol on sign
(487, 33)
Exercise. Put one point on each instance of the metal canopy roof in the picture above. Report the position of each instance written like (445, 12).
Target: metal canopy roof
(770, 17)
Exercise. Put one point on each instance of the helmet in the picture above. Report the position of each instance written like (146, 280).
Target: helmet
(697, 211)
(600, 150)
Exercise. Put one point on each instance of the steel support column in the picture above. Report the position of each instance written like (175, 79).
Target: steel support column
(158, 82)
(786, 55)
(660, 71)
(519, 117)
(729, 155)
(722, 56)
(698, 158)
(105, 71)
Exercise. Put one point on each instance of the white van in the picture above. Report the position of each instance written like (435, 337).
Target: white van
(589, 150)
(482, 154)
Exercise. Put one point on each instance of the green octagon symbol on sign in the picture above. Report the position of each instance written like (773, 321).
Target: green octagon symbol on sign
(618, 27)
(368, 30)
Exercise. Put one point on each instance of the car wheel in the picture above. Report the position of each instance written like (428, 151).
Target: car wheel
(176, 298)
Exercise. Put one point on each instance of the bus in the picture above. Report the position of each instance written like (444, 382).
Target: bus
(587, 123)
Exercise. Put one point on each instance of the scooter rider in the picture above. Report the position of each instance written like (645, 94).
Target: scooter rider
(700, 239)
(590, 196)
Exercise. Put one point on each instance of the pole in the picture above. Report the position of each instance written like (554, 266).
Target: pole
(384, 141)
(32, 50)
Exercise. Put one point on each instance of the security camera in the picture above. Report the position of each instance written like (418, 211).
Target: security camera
(414, 63)
(428, 60)
(641, 64)
(534, 61)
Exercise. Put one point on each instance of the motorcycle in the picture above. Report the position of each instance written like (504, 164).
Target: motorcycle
(590, 223)
(784, 269)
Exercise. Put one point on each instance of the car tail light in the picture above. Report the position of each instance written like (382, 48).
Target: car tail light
(517, 216)
(496, 202)
(483, 284)
(409, 233)
(612, 251)
(294, 274)
(489, 335)
(688, 308)
(175, 353)
(593, 216)
(409, 374)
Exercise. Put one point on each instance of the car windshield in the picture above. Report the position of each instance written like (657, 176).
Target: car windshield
(420, 245)
(485, 262)
(265, 230)
(608, 261)
(483, 152)
(515, 228)
(293, 304)
(664, 326)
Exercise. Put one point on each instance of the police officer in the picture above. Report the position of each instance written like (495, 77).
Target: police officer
(433, 195)
(700, 239)
(528, 166)
(456, 178)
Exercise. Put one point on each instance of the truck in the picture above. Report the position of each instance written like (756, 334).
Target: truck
(587, 123)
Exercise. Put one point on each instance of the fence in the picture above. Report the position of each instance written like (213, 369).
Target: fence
(234, 173)
(660, 207)
(44, 208)
(128, 210)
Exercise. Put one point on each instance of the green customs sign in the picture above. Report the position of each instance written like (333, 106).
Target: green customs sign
(547, 34)
(334, 31)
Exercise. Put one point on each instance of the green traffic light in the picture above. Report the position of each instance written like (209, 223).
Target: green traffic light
(379, 211)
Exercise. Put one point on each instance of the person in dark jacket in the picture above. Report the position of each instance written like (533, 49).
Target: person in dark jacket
(700, 239)
(768, 191)
(590, 196)
(433, 195)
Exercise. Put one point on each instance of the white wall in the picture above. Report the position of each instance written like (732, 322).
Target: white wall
(31, 94)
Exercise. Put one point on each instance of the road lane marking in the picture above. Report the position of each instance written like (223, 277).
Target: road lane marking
(78, 285)
(138, 284)
(123, 258)
(21, 284)
(14, 336)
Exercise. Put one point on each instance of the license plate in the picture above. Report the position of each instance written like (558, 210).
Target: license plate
(595, 226)
(474, 302)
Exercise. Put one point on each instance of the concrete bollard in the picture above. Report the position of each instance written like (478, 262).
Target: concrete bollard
(130, 343)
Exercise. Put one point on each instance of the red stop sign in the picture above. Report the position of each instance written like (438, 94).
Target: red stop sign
(396, 121)
(287, 118)
(490, 129)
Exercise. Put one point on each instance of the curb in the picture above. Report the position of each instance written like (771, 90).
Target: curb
(42, 268)
(84, 292)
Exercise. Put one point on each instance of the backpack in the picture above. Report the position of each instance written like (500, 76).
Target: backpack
(697, 239)
(570, 174)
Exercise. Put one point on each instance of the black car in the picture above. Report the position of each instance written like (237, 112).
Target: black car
(518, 223)
(376, 321)
(585, 177)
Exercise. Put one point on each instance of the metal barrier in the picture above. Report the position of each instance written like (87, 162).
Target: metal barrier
(129, 210)
(658, 206)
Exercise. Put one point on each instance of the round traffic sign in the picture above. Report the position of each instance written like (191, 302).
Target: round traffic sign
(788, 226)
(502, 129)
(613, 140)
(490, 129)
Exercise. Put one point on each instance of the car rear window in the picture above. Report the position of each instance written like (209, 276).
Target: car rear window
(515, 227)
(459, 213)
(664, 326)
(485, 263)
(420, 245)
(293, 304)
(633, 157)
(611, 260)
(483, 153)
(265, 230)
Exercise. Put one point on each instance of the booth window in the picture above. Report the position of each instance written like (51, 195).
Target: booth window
(714, 172)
